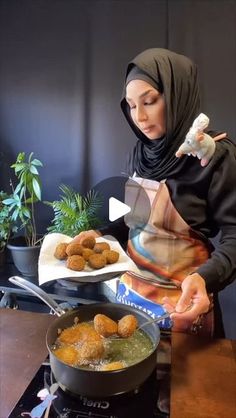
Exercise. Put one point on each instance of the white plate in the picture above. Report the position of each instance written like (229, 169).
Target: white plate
(50, 268)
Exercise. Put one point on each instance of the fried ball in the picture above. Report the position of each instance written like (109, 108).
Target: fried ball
(91, 350)
(74, 249)
(60, 251)
(88, 333)
(127, 325)
(79, 333)
(97, 261)
(86, 253)
(99, 247)
(88, 242)
(114, 365)
(104, 325)
(75, 262)
(68, 355)
(71, 335)
(111, 256)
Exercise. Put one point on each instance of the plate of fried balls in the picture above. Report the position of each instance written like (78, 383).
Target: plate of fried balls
(90, 259)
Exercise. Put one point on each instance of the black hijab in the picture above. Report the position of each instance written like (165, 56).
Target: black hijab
(175, 76)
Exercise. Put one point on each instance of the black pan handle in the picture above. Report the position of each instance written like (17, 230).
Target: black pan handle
(19, 281)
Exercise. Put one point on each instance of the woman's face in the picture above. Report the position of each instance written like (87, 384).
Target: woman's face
(147, 108)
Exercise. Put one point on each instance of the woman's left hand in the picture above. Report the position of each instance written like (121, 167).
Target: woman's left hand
(193, 293)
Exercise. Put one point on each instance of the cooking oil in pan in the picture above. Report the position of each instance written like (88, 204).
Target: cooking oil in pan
(118, 352)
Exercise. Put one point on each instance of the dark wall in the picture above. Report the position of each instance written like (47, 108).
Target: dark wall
(62, 64)
(61, 78)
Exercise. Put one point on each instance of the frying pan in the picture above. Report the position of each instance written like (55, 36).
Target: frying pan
(91, 382)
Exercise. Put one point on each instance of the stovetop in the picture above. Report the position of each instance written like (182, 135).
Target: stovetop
(54, 402)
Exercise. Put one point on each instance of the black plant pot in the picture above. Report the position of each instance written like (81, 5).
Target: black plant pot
(2, 257)
(25, 258)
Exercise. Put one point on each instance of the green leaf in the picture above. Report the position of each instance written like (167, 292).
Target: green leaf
(36, 162)
(20, 157)
(18, 188)
(15, 214)
(33, 170)
(21, 195)
(8, 201)
(18, 167)
(25, 211)
(36, 188)
(74, 212)
(26, 193)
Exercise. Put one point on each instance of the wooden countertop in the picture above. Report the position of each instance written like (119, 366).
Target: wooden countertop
(22, 350)
(203, 376)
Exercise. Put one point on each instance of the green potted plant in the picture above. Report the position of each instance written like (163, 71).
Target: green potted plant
(21, 203)
(74, 213)
(6, 227)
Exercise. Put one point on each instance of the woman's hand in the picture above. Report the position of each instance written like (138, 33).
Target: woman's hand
(84, 234)
(193, 293)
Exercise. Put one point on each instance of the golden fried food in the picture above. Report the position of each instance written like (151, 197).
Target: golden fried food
(111, 256)
(79, 333)
(86, 253)
(60, 251)
(114, 365)
(88, 333)
(68, 354)
(71, 335)
(91, 350)
(127, 325)
(99, 247)
(78, 255)
(88, 242)
(104, 325)
(75, 262)
(74, 249)
(97, 261)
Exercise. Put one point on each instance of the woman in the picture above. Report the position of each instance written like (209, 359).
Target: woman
(189, 203)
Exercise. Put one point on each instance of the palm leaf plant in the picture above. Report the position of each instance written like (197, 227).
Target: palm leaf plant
(25, 195)
(74, 213)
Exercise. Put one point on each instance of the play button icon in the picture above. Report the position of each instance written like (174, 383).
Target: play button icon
(125, 206)
(117, 209)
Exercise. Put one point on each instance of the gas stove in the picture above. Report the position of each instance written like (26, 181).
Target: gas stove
(142, 402)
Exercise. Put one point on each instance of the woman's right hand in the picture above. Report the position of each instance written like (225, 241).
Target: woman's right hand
(84, 234)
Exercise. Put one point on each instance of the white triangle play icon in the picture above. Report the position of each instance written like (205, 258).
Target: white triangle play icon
(117, 209)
